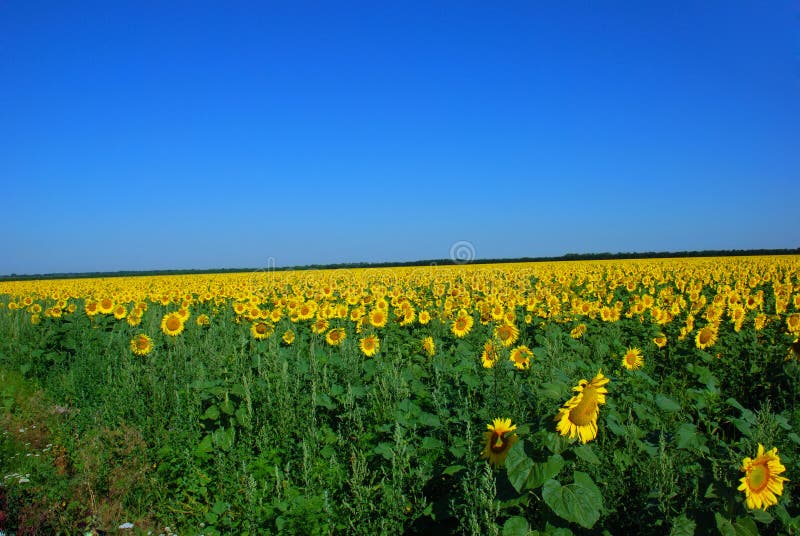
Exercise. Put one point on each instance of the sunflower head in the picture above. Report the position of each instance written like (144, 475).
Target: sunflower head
(141, 345)
(369, 345)
(761, 484)
(632, 359)
(498, 440)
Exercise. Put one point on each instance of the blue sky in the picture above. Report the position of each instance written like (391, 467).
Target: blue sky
(157, 135)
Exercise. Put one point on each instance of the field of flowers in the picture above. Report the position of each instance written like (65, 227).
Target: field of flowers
(614, 397)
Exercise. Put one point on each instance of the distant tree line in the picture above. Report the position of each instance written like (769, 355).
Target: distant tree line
(429, 262)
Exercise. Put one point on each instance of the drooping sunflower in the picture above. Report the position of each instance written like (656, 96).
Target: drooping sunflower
(490, 354)
(578, 331)
(498, 440)
(260, 330)
(706, 337)
(429, 346)
(761, 484)
(660, 340)
(578, 417)
(369, 345)
(172, 324)
(141, 344)
(507, 334)
(335, 336)
(632, 359)
(521, 357)
(462, 324)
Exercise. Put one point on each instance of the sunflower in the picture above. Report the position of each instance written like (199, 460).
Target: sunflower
(120, 312)
(134, 320)
(793, 323)
(462, 324)
(490, 354)
(335, 336)
(429, 346)
(578, 417)
(632, 359)
(172, 324)
(141, 344)
(260, 330)
(369, 345)
(202, 320)
(706, 337)
(507, 334)
(424, 317)
(761, 484)
(578, 331)
(521, 357)
(498, 441)
(105, 306)
(378, 317)
(90, 307)
(319, 325)
(660, 340)
(288, 337)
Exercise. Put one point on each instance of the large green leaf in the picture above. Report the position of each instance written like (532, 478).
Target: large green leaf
(579, 502)
(525, 474)
(744, 526)
(667, 404)
(516, 526)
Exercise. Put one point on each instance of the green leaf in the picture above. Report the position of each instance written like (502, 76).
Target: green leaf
(518, 466)
(667, 404)
(212, 413)
(689, 438)
(682, 526)
(453, 469)
(525, 474)
(553, 390)
(205, 446)
(224, 438)
(613, 424)
(228, 407)
(762, 516)
(585, 453)
(579, 502)
(744, 526)
(516, 526)
(431, 443)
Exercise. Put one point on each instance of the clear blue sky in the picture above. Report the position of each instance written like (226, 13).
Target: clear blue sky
(155, 135)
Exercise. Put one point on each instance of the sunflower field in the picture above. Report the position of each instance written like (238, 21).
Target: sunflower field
(611, 397)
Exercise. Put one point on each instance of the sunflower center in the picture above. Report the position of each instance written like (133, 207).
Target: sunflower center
(758, 477)
(261, 329)
(630, 359)
(705, 336)
(497, 444)
(141, 343)
(584, 412)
